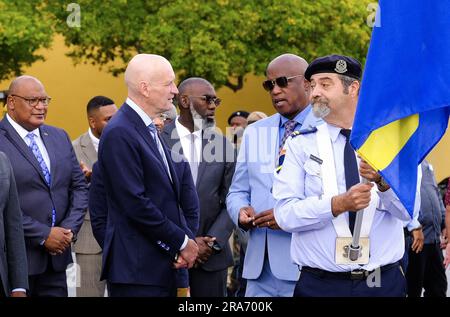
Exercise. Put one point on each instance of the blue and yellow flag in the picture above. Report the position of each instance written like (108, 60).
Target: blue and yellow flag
(404, 103)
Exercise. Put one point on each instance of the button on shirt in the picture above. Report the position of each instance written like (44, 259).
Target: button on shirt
(37, 138)
(302, 209)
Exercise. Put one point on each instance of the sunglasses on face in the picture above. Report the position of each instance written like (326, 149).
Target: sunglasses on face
(281, 82)
(209, 99)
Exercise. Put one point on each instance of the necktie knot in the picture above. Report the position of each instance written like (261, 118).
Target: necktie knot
(290, 125)
(152, 128)
(30, 136)
(346, 133)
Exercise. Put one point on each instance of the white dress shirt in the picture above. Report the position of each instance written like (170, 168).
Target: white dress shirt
(185, 139)
(95, 141)
(302, 209)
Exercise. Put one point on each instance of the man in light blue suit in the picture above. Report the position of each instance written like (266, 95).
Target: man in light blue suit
(268, 267)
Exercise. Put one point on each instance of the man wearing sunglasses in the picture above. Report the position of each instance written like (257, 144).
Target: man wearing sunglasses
(212, 160)
(267, 266)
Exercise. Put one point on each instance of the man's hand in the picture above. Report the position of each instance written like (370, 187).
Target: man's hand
(366, 171)
(189, 253)
(246, 217)
(444, 238)
(417, 235)
(266, 219)
(86, 171)
(18, 294)
(204, 250)
(355, 199)
(58, 240)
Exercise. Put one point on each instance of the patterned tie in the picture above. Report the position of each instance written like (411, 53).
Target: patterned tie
(351, 171)
(37, 153)
(288, 129)
(193, 160)
(159, 145)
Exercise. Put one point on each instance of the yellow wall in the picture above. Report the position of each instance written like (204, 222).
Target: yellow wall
(71, 87)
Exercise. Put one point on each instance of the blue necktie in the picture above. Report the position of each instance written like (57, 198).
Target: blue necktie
(288, 129)
(351, 171)
(155, 137)
(37, 153)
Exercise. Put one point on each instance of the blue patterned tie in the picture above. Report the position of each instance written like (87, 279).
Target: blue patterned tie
(155, 137)
(35, 149)
(288, 129)
(351, 171)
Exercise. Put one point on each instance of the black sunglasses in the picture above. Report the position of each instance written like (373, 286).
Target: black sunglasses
(209, 99)
(281, 82)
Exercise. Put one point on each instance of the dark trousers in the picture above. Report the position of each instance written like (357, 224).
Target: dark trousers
(208, 284)
(48, 284)
(426, 270)
(392, 284)
(138, 290)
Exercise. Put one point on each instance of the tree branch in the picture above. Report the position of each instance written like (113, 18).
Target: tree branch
(236, 87)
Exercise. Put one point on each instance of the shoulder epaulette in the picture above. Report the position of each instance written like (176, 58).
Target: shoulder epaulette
(303, 131)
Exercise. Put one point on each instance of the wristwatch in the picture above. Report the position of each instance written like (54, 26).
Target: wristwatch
(382, 185)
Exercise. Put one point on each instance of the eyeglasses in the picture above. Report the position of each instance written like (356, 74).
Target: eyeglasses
(33, 102)
(281, 82)
(209, 99)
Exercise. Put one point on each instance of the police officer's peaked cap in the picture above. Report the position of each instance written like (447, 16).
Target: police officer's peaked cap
(338, 64)
(239, 113)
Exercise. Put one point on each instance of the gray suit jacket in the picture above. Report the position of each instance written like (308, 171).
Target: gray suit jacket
(213, 180)
(85, 151)
(13, 257)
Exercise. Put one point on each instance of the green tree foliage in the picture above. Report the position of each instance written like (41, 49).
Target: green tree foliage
(24, 28)
(221, 40)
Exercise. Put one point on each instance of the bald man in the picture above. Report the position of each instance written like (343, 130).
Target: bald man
(212, 160)
(268, 267)
(146, 237)
(52, 190)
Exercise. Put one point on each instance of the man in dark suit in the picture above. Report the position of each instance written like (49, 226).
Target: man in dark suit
(146, 236)
(100, 110)
(13, 267)
(52, 190)
(212, 159)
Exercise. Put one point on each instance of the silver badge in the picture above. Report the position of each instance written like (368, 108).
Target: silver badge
(341, 66)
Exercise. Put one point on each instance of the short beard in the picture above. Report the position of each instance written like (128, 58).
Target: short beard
(321, 109)
(201, 123)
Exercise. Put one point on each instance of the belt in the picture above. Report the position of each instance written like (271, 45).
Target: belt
(351, 275)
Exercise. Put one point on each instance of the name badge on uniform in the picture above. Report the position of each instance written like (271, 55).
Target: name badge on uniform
(342, 250)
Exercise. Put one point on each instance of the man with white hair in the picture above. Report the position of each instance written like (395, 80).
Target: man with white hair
(146, 236)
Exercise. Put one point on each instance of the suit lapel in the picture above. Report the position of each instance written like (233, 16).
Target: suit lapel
(21, 146)
(202, 166)
(51, 147)
(88, 149)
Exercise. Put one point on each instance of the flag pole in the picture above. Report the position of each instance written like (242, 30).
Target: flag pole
(354, 249)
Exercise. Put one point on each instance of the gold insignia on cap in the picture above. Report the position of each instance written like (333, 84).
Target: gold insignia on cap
(341, 66)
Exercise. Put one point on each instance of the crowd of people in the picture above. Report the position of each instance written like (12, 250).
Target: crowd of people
(150, 197)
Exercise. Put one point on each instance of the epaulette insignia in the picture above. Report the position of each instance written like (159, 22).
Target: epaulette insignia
(304, 131)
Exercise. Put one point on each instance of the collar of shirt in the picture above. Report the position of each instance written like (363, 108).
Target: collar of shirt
(335, 131)
(95, 141)
(300, 117)
(141, 113)
(22, 131)
(183, 132)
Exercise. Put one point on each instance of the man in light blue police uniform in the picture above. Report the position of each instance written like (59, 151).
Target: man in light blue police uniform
(318, 192)
(267, 267)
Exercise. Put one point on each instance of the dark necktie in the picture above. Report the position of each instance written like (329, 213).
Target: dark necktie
(288, 129)
(154, 134)
(351, 171)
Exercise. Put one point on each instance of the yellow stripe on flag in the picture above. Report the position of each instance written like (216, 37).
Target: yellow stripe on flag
(383, 144)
